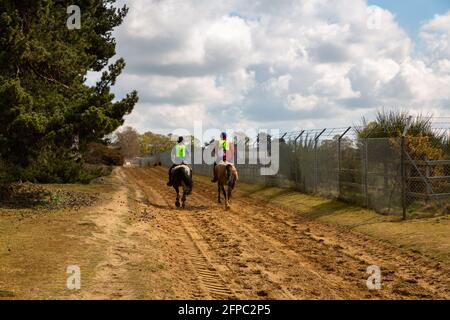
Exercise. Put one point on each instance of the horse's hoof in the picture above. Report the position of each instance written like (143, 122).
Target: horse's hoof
(177, 204)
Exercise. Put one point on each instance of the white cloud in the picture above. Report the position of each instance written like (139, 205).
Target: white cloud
(334, 86)
(436, 35)
(287, 63)
(278, 86)
(297, 102)
(166, 117)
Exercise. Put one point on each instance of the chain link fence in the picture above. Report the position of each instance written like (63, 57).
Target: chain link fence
(396, 176)
(427, 175)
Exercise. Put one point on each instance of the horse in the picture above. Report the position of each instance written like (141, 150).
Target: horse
(182, 177)
(226, 174)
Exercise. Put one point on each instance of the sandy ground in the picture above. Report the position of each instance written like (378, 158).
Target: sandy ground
(254, 251)
(136, 245)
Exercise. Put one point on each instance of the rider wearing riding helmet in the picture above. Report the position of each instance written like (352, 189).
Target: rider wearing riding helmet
(223, 150)
(179, 154)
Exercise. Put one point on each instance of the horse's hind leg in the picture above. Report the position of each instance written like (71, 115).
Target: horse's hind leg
(177, 202)
(183, 199)
(218, 193)
(227, 204)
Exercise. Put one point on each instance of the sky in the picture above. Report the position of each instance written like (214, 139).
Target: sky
(287, 64)
(411, 13)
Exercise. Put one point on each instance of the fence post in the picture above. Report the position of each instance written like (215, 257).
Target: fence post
(235, 147)
(428, 191)
(296, 158)
(366, 172)
(339, 160)
(315, 165)
(339, 167)
(316, 160)
(402, 165)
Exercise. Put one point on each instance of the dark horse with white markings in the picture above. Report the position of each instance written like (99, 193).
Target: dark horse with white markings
(182, 178)
(226, 174)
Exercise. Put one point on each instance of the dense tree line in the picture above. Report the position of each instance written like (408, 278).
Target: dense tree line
(48, 113)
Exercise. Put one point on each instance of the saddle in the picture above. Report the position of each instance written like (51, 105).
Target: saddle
(185, 166)
(224, 163)
(182, 164)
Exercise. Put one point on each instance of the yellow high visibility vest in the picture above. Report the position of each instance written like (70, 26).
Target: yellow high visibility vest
(180, 150)
(224, 145)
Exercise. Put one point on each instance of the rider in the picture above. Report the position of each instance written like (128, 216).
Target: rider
(181, 153)
(224, 148)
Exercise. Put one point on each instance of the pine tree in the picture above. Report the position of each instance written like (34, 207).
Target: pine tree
(46, 109)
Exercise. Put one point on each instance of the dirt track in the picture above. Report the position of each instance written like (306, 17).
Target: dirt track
(254, 251)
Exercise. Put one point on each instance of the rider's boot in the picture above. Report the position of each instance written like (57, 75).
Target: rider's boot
(169, 183)
(215, 175)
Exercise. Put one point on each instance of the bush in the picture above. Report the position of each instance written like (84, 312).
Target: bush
(52, 166)
(97, 153)
(91, 172)
(60, 166)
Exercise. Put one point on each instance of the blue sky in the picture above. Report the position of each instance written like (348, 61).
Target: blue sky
(410, 13)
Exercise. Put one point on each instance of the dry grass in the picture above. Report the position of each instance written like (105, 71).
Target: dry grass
(37, 245)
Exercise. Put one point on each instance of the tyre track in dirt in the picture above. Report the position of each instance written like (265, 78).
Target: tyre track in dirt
(284, 272)
(246, 284)
(109, 280)
(292, 257)
(209, 282)
(405, 274)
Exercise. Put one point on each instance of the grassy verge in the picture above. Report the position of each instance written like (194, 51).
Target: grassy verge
(38, 243)
(428, 236)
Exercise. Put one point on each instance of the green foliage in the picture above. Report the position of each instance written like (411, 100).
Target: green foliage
(52, 166)
(91, 172)
(446, 146)
(153, 143)
(46, 108)
(99, 153)
(392, 123)
(422, 141)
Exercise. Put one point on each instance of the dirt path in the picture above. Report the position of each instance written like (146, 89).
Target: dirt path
(134, 244)
(255, 251)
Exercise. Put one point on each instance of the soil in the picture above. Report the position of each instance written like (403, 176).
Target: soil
(256, 250)
(138, 245)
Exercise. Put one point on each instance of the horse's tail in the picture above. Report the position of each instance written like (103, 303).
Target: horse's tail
(231, 175)
(187, 179)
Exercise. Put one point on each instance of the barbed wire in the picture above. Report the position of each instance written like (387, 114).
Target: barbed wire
(349, 132)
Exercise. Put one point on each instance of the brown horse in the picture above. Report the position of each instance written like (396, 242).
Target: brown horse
(226, 174)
